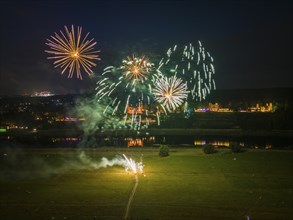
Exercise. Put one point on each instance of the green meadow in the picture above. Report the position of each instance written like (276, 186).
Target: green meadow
(53, 184)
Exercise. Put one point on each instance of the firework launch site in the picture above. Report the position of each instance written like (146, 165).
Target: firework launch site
(58, 161)
(62, 183)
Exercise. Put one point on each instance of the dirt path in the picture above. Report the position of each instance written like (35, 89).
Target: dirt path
(131, 197)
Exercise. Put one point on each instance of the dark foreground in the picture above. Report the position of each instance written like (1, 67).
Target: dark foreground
(54, 184)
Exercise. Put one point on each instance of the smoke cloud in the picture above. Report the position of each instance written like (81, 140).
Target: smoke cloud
(96, 120)
(104, 163)
(17, 164)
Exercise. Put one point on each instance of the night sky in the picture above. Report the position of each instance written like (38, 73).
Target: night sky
(251, 41)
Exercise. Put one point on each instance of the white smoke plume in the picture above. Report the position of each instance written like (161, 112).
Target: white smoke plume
(103, 163)
(128, 163)
(17, 163)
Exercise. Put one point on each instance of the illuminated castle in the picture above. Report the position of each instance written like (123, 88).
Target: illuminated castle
(268, 107)
(216, 108)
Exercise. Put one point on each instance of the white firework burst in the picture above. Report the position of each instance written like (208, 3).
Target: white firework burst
(170, 92)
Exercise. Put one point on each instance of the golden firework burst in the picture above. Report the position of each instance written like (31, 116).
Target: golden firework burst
(136, 68)
(72, 53)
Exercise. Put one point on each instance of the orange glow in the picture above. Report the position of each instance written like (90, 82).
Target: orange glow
(137, 110)
(135, 70)
(75, 55)
(138, 142)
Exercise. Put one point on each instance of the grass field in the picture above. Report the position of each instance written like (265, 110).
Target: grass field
(49, 184)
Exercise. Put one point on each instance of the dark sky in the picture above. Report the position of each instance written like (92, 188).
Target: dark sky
(251, 41)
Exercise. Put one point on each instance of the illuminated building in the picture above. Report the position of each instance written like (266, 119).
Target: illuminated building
(201, 110)
(220, 143)
(135, 110)
(42, 94)
(268, 107)
(225, 110)
(214, 143)
(199, 142)
(69, 119)
(139, 142)
(214, 107)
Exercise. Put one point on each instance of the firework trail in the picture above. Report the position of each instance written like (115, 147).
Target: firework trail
(71, 52)
(128, 91)
(192, 64)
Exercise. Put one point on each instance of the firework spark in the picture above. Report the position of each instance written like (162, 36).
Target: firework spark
(170, 92)
(131, 165)
(130, 94)
(71, 52)
(194, 65)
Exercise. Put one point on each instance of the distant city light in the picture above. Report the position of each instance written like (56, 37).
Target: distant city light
(42, 94)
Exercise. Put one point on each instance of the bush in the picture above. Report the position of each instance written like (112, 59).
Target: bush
(235, 147)
(208, 149)
(164, 151)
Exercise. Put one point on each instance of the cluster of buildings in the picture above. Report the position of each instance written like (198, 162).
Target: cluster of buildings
(139, 142)
(267, 107)
(28, 112)
(42, 94)
(41, 110)
(216, 107)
